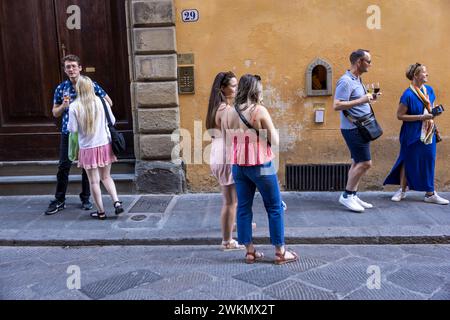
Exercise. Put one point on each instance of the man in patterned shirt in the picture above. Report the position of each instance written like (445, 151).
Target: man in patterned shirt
(65, 94)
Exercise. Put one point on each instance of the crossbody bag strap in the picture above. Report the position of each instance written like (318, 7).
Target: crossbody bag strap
(108, 118)
(245, 121)
(347, 114)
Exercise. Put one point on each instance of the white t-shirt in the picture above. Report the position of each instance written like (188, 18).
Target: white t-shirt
(101, 136)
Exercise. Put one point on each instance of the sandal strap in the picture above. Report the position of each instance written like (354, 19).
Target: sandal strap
(255, 254)
(98, 214)
(283, 255)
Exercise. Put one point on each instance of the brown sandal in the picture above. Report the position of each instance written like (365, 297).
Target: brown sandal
(283, 259)
(256, 256)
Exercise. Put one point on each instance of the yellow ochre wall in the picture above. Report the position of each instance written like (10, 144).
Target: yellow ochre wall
(278, 39)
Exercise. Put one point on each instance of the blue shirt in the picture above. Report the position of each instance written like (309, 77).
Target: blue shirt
(59, 96)
(411, 130)
(349, 88)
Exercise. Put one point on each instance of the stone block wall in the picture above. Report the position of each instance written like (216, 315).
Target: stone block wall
(154, 90)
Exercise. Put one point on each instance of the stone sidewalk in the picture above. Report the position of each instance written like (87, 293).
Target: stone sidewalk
(311, 218)
(323, 272)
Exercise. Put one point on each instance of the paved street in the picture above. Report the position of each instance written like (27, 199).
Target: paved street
(165, 247)
(311, 218)
(206, 273)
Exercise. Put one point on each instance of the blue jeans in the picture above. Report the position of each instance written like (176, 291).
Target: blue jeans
(263, 177)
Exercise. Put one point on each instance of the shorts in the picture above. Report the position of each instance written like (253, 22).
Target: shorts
(359, 148)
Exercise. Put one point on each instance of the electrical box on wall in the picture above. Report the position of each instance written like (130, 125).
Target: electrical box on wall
(319, 116)
(319, 113)
(186, 76)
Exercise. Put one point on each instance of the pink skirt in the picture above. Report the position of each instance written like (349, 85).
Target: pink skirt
(96, 157)
(220, 169)
(222, 172)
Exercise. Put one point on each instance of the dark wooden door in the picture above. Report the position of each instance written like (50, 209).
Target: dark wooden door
(34, 35)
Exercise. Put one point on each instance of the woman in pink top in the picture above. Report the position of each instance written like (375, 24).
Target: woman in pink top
(87, 117)
(249, 133)
(222, 95)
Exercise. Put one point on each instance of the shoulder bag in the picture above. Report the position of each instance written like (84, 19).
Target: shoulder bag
(117, 139)
(367, 125)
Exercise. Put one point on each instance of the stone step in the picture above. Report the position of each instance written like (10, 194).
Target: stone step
(39, 177)
(37, 168)
(46, 184)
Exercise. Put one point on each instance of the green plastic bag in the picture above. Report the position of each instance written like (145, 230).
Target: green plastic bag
(73, 146)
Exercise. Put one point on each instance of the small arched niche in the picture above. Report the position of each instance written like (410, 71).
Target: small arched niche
(318, 78)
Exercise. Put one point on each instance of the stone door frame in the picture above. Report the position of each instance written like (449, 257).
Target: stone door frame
(154, 94)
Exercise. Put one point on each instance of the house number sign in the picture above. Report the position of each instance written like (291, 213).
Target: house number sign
(190, 15)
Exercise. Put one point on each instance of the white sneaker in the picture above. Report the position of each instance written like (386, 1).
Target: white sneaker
(363, 204)
(351, 203)
(398, 196)
(435, 198)
(283, 205)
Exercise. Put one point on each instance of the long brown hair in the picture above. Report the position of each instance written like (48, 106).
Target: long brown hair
(249, 91)
(217, 97)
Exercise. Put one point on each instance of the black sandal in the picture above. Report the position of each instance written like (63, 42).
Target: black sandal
(98, 215)
(118, 208)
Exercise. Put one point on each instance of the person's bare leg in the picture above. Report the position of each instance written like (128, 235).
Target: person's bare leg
(228, 214)
(108, 182)
(355, 174)
(403, 181)
(94, 182)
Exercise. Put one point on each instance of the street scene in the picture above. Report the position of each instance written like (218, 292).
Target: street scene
(224, 157)
(168, 248)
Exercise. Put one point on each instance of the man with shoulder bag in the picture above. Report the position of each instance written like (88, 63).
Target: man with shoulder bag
(358, 125)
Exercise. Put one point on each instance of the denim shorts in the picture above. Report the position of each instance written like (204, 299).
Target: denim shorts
(359, 148)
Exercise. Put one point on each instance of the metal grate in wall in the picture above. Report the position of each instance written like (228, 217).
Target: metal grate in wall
(316, 177)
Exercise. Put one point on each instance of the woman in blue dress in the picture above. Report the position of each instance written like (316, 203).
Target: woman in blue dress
(415, 165)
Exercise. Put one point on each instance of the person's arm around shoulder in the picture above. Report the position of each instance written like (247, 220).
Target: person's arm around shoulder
(102, 93)
(266, 123)
(108, 99)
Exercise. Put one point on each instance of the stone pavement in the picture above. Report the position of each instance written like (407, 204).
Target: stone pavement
(311, 218)
(165, 247)
(324, 272)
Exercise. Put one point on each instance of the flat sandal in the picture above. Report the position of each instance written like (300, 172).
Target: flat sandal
(98, 215)
(256, 256)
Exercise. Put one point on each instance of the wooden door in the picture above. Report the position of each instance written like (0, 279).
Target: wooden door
(29, 70)
(34, 35)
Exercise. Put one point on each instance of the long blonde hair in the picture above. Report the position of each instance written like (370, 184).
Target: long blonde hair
(87, 111)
